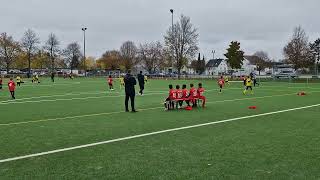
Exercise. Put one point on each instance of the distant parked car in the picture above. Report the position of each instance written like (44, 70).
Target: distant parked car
(15, 71)
(286, 74)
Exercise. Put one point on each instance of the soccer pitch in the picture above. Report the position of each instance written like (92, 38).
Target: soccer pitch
(77, 129)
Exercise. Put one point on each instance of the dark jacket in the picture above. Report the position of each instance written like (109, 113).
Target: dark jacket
(130, 82)
(141, 79)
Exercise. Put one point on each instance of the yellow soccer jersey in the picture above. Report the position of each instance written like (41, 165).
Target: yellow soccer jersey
(248, 82)
(121, 81)
(18, 79)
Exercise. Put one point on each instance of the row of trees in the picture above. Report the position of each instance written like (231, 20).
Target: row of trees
(179, 49)
(28, 53)
(299, 52)
(150, 56)
(180, 46)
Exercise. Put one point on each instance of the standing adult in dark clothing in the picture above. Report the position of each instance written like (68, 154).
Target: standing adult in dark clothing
(52, 76)
(141, 82)
(130, 82)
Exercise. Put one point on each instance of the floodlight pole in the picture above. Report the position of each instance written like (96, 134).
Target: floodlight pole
(213, 53)
(84, 51)
(317, 60)
(172, 11)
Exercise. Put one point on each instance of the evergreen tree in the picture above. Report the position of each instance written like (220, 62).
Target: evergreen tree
(234, 55)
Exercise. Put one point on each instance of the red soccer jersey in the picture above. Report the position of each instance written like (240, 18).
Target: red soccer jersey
(110, 80)
(172, 94)
(200, 92)
(221, 82)
(0, 81)
(11, 85)
(193, 92)
(179, 94)
(184, 93)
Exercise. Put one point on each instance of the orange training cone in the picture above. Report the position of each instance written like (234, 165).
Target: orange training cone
(252, 107)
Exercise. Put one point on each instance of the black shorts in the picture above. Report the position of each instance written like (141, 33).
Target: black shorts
(248, 87)
(221, 86)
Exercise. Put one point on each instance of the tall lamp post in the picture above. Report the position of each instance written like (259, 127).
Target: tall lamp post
(84, 51)
(318, 57)
(172, 11)
(213, 53)
(316, 51)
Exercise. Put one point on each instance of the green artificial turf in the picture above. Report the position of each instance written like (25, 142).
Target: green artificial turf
(69, 113)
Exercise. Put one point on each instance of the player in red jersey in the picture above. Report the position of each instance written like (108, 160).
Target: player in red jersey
(179, 96)
(201, 91)
(169, 102)
(185, 94)
(110, 82)
(221, 83)
(193, 94)
(12, 88)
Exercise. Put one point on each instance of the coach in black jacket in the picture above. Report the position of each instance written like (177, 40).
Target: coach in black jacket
(141, 82)
(130, 82)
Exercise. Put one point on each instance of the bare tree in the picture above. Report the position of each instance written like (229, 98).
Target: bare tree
(297, 51)
(151, 56)
(128, 52)
(182, 40)
(262, 55)
(29, 44)
(72, 55)
(52, 47)
(260, 59)
(9, 50)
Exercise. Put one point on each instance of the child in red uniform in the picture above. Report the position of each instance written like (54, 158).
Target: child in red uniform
(179, 95)
(193, 94)
(221, 83)
(185, 94)
(200, 95)
(110, 82)
(12, 88)
(169, 103)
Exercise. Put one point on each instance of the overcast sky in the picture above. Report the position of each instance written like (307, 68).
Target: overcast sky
(257, 24)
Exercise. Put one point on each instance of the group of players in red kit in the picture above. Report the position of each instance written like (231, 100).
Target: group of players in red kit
(177, 96)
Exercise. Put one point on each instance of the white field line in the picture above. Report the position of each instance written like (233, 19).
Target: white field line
(153, 133)
(73, 94)
(50, 85)
(146, 109)
(61, 95)
(69, 99)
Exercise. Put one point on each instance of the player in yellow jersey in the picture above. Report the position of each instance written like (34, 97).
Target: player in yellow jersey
(145, 78)
(248, 84)
(121, 82)
(19, 80)
(226, 80)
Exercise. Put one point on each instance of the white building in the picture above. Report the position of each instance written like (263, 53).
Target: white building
(248, 66)
(216, 67)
